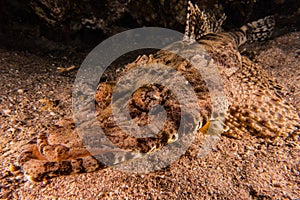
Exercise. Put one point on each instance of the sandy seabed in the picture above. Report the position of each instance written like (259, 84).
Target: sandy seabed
(236, 169)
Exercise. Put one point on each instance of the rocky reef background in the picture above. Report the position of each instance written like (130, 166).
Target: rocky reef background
(50, 23)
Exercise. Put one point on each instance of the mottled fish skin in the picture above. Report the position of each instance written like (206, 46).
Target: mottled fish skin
(255, 103)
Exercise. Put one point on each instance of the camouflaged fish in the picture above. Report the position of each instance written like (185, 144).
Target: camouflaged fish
(255, 103)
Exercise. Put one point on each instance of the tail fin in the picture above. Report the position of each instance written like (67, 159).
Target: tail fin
(259, 30)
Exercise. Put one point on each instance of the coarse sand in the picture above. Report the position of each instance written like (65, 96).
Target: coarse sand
(236, 169)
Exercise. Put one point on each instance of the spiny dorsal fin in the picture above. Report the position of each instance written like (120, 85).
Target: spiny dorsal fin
(199, 23)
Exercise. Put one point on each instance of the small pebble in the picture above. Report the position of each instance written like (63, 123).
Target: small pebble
(20, 91)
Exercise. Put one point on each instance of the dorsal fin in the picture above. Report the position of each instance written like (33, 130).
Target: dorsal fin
(199, 23)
